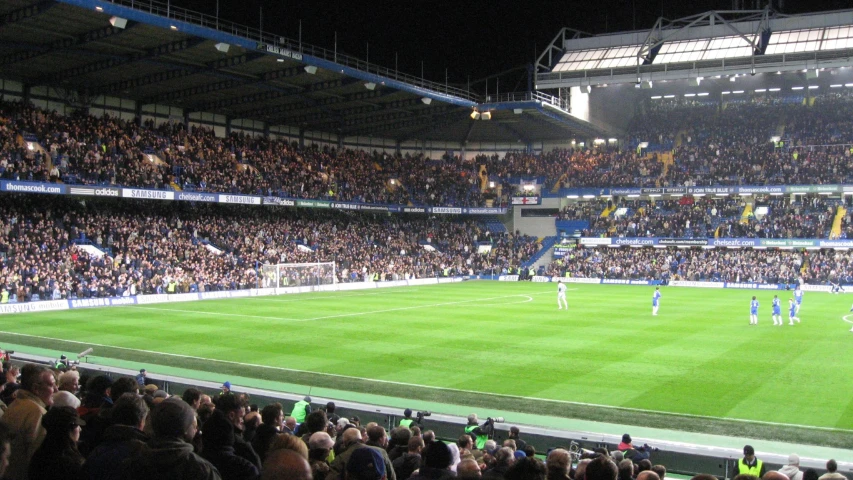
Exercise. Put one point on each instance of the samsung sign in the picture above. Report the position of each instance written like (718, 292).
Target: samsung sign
(147, 194)
(242, 199)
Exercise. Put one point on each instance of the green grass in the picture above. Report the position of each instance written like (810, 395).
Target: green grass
(697, 366)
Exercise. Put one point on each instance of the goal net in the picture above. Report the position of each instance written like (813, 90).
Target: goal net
(284, 275)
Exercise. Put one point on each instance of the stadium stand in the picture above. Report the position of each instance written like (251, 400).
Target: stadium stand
(153, 244)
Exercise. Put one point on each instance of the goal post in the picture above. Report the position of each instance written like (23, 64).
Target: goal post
(288, 275)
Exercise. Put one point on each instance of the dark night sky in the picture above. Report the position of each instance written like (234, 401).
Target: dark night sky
(470, 38)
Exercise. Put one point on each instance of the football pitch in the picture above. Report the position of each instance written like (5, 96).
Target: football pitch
(697, 366)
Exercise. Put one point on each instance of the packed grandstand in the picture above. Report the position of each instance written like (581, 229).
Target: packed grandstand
(753, 168)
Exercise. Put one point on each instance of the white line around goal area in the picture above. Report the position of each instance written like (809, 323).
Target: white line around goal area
(274, 298)
(444, 389)
(846, 319)
(342, 315)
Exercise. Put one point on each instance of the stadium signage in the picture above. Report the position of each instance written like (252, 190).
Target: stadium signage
(280, 51)
(241, 199)
(788, 242)
(450, 210)
(734, 242)
(197, 197)
(560, 252)
(483, 211)
(147, 194)
(313, 203)
(97, 192)
(32, 187)
(34, 306)
(623, 191)
(634, 241)
(596, 241)
(683, 241)
(526, 200)
(414, 210)
(281, 202)
(778, 189)
(813, 189)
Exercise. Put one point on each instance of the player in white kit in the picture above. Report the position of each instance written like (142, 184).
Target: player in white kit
(561, 296)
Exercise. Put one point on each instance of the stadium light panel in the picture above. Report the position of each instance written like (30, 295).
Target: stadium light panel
(654, 195)
(745, 194)
(689, 94)
(311, 69)
(702, 94)
(737, 92)
(518, 111)
(118, 22)
(589, 196)
(726, 92)
(797, 88)
(487, 115)
(100, 9)
(173, 27)
(222, 47)
(656, 97)
(633, 196)
(426, 100)
(837, 85)
(773, 89)
(813, 87)
(760, 90)
(698, 194)
(475, 115)
(669, 96)
(848, 84)
(572, 196)
(370, 85)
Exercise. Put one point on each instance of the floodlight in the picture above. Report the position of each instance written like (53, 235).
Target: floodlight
(475, 115)
(426, 100)
(118, 22)
(222, 47)
(311, 69)
(487, 115)
(370, 85)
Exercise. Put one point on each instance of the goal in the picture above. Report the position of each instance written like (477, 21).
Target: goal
(286, 275)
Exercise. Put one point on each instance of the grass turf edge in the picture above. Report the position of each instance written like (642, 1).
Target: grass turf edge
(614, 415)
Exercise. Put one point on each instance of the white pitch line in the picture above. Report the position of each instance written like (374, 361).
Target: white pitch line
(445, 389)
(220, 314)
(846, 319)
(342, 315)
(274, 298)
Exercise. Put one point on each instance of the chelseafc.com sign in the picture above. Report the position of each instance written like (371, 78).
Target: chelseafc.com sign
(96, 192)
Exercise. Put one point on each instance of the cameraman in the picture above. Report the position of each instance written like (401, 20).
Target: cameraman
(409, 422)
(480, 433)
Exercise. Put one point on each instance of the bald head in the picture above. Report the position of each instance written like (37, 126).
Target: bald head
(286, 465)
(351, 435)
(468, 468)
(774, 475)
(650, 475)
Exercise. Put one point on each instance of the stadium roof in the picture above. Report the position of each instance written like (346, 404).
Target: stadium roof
(709, 44)
(152, 53)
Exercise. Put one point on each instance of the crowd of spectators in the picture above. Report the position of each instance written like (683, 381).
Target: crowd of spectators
(172, 248)
(809, 216)
(710, 146)
(770, 266)
(129, 428)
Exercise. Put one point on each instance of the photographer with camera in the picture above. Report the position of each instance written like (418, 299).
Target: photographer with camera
(481, 433)
(409, 422)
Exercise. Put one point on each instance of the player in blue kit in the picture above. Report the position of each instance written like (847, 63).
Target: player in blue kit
(798, 297)
(792, 312)
(753, 311)
(777, 311)
(656, 301)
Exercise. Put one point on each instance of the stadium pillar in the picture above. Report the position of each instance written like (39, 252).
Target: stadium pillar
(266, 130)
(26, 93)
(398, 147)
(228, 126)
(301, 137)
(340, 142)
(137, 111)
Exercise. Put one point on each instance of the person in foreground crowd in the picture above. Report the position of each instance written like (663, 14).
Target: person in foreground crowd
(58, 457)
(749, 464)
(23, 417)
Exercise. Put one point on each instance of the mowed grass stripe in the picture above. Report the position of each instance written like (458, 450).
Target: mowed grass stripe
(698, 356)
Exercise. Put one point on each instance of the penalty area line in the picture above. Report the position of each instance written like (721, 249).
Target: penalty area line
(429, 387)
